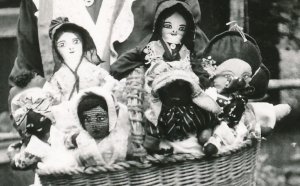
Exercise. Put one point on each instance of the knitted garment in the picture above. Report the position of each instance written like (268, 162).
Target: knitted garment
(178, 122)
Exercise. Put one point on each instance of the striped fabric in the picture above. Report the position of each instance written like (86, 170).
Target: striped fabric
(178, 122)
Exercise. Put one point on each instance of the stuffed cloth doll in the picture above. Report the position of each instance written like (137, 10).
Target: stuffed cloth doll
(76, 61)
(96, 126)
(42, 142)
(238, 74)
(179, 110)
(172, 40)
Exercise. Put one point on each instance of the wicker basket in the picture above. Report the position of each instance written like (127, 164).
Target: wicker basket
(235, 167)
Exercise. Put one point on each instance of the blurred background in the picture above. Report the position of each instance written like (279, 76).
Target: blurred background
(275, 24)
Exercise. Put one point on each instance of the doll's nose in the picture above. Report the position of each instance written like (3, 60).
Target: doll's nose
(71, 48)
(174, 32)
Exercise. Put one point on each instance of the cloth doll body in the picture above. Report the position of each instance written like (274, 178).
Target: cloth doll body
(235, 65)
(96, 126)
(76, 61)
(179, 110)
(172, 40)
(41, 141)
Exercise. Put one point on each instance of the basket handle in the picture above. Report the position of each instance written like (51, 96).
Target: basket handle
(135, 103)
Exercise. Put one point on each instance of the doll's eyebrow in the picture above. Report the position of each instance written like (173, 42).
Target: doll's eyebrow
(167, 22)
(183, 25)
(62, 41)
(226, 71)
(246, 73)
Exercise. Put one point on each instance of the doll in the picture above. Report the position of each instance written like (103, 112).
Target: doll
(99, 128)
(41, 141)
(180, 114)
(76, 61)
(237, 73)
(172, 40)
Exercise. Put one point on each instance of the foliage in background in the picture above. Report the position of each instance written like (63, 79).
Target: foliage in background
(268, 175)
(6, 123)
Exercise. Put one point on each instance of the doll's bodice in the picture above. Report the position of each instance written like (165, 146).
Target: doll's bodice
(89, 75)
(154, 52)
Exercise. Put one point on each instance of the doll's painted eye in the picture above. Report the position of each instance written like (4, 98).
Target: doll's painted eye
(87, 119)
(101, 117)
(60, 44)
(229, 77)
(76, 41)
(30, 125)
(42, 119)
(247, 77)
(182, 28)
(167, 25)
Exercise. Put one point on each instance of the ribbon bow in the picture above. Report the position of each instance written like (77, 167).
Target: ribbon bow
(55, 24)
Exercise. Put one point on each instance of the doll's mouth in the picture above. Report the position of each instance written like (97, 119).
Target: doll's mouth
(175, 98)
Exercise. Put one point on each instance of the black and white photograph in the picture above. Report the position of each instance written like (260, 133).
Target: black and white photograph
(150, 92)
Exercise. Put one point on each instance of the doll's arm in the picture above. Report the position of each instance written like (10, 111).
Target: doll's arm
(267, 114)
(152, 139)
(126, 63)
(19, 158)
(54, 88)
(87, 150)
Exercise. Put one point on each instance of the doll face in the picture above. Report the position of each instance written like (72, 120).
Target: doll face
(37, 124)
(176, 93)
(174, 28)
(96, 122)
(229, 70)
(70, 48)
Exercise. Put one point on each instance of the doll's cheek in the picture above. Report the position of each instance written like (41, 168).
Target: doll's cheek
(219, 84)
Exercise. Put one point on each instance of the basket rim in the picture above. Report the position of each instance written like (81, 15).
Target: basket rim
(150, 160)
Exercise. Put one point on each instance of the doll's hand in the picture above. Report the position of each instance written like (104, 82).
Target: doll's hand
(88, 153)
(168, 151)
(209, 65)
(281, 110)
(165, 148)
(24, 160)
(13, 149)
(37, 81)
(89, 156)
(204, 136)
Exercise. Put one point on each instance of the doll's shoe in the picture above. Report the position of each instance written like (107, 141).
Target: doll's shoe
(210, 149)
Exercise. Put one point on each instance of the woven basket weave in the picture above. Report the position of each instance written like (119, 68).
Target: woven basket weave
(236, 167)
